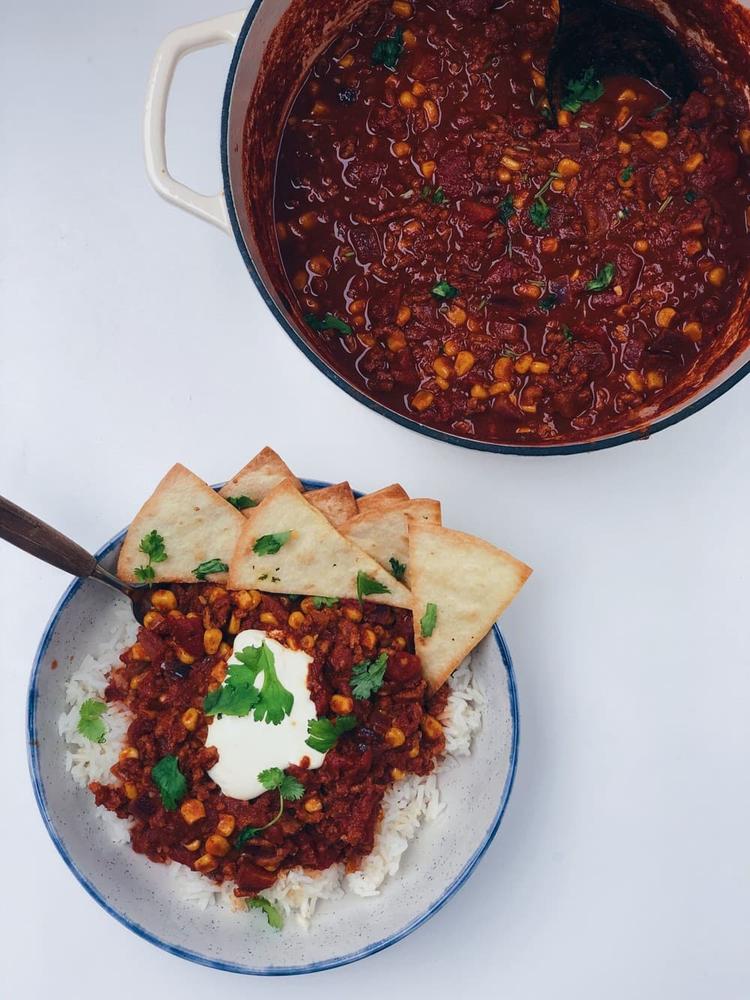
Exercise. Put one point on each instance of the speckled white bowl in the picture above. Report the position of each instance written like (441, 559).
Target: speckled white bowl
(137, 893)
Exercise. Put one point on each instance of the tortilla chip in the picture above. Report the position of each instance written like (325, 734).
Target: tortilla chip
(336, 502)
(195, 523)
(469, 582)
(384, 532)
(380, 498)
(315, 560)
(259, 477)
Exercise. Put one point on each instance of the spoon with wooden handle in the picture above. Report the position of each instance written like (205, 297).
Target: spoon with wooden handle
(27, 532)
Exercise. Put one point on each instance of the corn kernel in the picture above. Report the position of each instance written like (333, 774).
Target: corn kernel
(319, 265)
(456, 316)
(641, 246)
(151, 619)
(131, 790)
(550, 244)
(745, 139)
(564, 118)
(226, 825)
(319, 108)
(308, 220)
(526, 290)
(635, 381)
(428, 169)
(212, 639)
(451, 348)
(623, 116)
(407, 100)
(717, 276)
(369, 638)
(346, 61)
(510, 163)
(397, 774)
(269, 618)
(627, 95)
(557, 185)
(247, 600)
(539, 367)
(464, 362)
(502, 368)
(665, 317)
(192, 845)
(524, 363)
(504, 175)
(693, 330)
(354, 614)
(394, 737)
(234, 625)
(296, 620)
(403, 316)
(568, 167)
(431, 727)
(431, 112)
(217, 846)
(205, 864)
(410, 39)
(163, 600)
(341, 704)
(190, 719)
(422, 400)
(501, 388)
(692, 163)
(402, 9)
(395, 342)
(129, 753)
(624, 147)
(654, 380)
(192, 810)
(442, 367)
(313, 805)
(401, 150)
(414, 752)
(184, 657)
(479, 392)
(418, 89)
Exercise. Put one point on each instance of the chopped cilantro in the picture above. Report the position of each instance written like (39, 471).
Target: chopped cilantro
(585, 90)
(273, 916)
(90, 722)
(243, 503)
(238, 694)
(567, 333)
(548, 301)
(324, 734)
(690, 196)
(387, 51)
(152, 545)
(210, 566)
(436, 195)
(367, 677)
(602, 280)
(269, 545)
(397, 568)
(324, 602)
(366, 586)
(289, 789)
(507, 209)
(275, 702)
(444, 290)
(170, 781)
(428, 621)
(539, 213)
(627, 173)
(329, 322)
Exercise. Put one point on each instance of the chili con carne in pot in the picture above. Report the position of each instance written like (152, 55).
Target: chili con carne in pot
(455, 259)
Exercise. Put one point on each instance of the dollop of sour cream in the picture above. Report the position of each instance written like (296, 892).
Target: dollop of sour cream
(247, 747)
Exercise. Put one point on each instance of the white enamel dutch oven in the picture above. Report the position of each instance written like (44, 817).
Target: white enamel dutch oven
(275, 43)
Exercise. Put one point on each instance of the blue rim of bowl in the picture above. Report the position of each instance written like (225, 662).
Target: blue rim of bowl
(356, 956)
(639, 434)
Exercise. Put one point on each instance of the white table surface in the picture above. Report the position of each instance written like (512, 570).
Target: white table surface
(622, 868)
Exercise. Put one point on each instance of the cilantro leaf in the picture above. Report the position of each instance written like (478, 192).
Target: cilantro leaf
(238, 694)
(273, 916)
(245, 834)
(436, 195)
(627, 173)
(568, 333)
(397, 568)
(387, 51)
(548, 301)
(243, 503)
(210, 566)
(90, 722)
(275, 702)
(539, 213)
(429, 620)
(323, 734)
(274, 777)
(269, 545)
(507, 209)
(602, 280)
(324, 602)
(152, 545)
(170, 781)
(444, 290)
(690, 196)
(366, 585)
(329, 322)
(585, 90)
(368, 676)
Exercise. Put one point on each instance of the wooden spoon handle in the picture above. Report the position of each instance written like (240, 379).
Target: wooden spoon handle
(27, 532)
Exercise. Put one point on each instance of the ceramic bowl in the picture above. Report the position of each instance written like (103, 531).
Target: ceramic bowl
(137, 893)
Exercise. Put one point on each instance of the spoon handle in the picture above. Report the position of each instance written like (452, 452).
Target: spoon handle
(27, 532)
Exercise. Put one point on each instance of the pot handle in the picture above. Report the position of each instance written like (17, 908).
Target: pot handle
(180, 43)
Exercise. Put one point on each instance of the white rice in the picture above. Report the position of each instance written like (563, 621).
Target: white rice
(406, 805)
